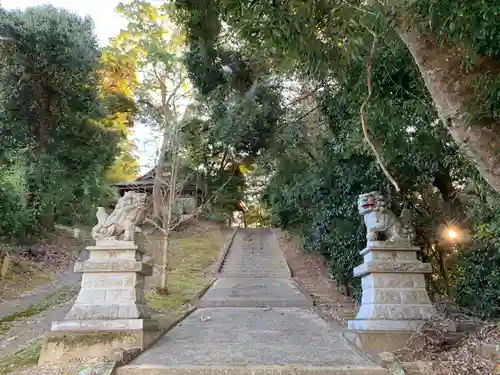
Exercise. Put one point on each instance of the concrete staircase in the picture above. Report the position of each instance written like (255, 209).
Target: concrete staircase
(253, 320)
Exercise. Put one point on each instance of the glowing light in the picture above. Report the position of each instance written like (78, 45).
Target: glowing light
(452, 234)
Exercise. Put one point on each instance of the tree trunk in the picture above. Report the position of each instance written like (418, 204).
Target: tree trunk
(453, 207)
(443, 269)
(452, 92)
(159, 183)
(167, 218)
(163, 287)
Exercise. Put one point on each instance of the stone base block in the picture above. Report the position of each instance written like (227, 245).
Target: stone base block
(385, 325)
(77, 346)
(104, 325)
(376, 342)
(107, 312)
(250, 369)
(382, 311)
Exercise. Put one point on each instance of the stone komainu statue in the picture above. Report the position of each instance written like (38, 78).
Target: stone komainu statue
(380, 219)
(127, 216)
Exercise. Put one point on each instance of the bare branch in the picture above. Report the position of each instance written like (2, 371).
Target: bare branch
(202, 206)
(362, 110)
(306, 96)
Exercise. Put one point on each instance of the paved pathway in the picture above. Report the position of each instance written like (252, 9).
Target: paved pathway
(61, 292)
(253, 319)
(39, 294)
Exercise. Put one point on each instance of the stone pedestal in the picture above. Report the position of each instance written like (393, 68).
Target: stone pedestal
(110, 310)
(394, 296)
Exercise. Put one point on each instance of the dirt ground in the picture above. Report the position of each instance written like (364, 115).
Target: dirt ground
(311, 272)
(36, 266)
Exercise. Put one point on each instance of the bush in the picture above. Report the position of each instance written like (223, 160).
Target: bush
(477, 287)
(16, 222)
(478, 279)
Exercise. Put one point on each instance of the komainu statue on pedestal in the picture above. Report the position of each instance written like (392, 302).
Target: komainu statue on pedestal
(127, 216)
(380, 219)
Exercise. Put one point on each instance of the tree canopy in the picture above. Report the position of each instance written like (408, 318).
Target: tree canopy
(59, 119)
(296, 107)
(431, 117)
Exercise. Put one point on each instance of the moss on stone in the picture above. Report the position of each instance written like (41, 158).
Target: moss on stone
(89, 338)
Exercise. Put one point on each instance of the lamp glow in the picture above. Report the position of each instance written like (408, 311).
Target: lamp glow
(452, 234)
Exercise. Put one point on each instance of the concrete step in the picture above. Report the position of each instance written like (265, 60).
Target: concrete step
(242, 337)
(254, 292)
(250, 370)
(255, 254)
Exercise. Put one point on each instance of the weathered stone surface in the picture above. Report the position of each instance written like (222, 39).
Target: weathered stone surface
(379, 219)
(373, 342)
(392, 267)
(388, 246)
(391, 256)
(104, 325)
(385, 325)
(123, 311)
(80, 345)
(112, 287)
(394, 295)
(103, 368)
(122, 254)
(393, 281)
(235, 337)
(250, 370)
(250, 257)
(251, 336)
(114, 266)
(382, 311)
(254, 292)
(125, 219)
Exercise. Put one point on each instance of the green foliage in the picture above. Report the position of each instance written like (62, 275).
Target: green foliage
(15, 220)
(54, 119)
(477, 285)
(309, 140)
(478, 268)
(125, 167)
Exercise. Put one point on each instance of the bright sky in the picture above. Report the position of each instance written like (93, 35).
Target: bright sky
(107, 25)
(107, 22)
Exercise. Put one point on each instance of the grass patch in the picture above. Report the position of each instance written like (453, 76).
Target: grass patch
(23, 276)
(56, 298)
(192, 254)
(25, 357)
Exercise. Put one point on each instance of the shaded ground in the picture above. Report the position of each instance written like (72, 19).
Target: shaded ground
(193, 253)
(311, 272)
(37, 271)
(39, 288)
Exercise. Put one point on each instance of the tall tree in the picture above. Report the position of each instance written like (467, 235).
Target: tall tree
(51, 113)
(119, 83)
(157, 46)
(454, 46)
